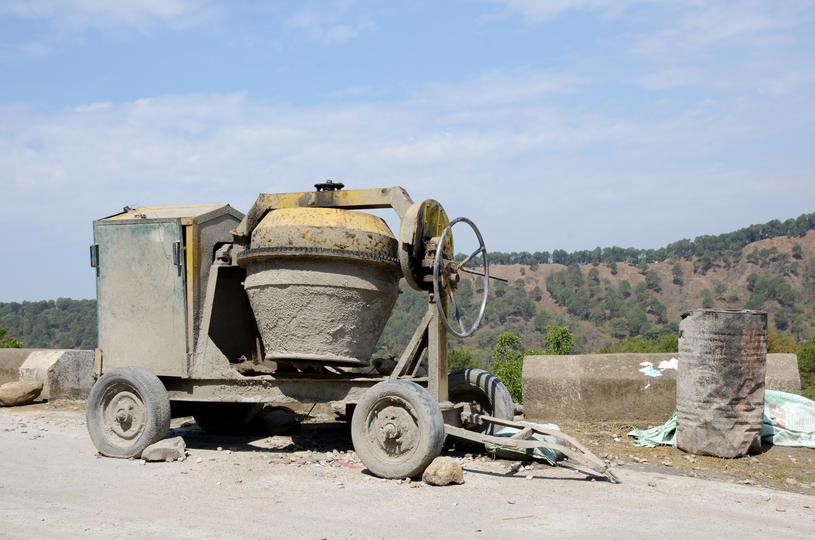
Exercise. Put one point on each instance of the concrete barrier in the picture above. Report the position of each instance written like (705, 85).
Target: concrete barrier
(10, 362)
(65, 374)
(635, 387)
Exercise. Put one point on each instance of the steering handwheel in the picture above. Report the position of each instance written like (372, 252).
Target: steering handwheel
(450, 273)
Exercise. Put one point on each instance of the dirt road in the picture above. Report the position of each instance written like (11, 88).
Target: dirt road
(52, 484)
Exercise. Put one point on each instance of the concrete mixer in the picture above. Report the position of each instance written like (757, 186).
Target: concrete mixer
(203, 309)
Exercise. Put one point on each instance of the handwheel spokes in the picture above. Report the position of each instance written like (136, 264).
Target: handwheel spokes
(477, 273)
(460, 266)
(456, 311)
(442, 285)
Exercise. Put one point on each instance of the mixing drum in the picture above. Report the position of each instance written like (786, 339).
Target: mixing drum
(322, 283)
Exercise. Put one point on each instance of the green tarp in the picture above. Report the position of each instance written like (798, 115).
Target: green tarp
(789, 420)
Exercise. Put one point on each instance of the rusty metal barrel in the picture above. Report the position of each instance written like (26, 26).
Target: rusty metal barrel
(720, 381)
(322, 283)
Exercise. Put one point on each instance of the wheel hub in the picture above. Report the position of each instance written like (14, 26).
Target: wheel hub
(395, 430)
(125, 415)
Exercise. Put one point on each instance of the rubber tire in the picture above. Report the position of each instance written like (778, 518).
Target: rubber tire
(429, 421)
(226, 418)
(153, 395)
(470, 384)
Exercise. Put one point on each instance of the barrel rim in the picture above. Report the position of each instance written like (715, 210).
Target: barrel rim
(249, 256)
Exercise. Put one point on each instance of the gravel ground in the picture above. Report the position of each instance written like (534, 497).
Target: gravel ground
(310, 485)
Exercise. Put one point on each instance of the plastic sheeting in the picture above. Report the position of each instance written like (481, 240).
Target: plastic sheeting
(789, 420)
(537, 454)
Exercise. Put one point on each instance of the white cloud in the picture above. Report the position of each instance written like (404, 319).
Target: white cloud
(83, 14)
(693, 25)
(537, 11)
(330, 24)
(92, 157)
(666, 79)
(501, 88)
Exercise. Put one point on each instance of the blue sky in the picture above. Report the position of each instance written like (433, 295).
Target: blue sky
(553, 124)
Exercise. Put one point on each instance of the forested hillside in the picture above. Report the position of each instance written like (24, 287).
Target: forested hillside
(63, 323)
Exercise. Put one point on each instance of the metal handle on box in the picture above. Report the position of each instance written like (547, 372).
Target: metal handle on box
(177, 253)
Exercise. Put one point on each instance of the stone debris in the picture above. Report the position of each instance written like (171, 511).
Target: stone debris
(19, 393)
(166, 450)
(443, 471)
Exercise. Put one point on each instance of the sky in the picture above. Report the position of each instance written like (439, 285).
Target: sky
(552, 124)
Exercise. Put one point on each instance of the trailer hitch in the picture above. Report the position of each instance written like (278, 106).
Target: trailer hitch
(579, 457)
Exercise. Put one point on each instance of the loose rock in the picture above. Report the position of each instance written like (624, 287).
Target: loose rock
(19, 393)
(165, 450)
(443, 471)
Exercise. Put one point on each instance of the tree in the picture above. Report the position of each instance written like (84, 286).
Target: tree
(782, 321)
(652, 280)
(558, 340)
(707, 299)
(594, 277)
(664, 343)
(541, 322)
(625, 288)
(676, 272)
(507, 363)
(7, 341)
(719, 289)
(613, 267)
(796, 252)
(779, 342)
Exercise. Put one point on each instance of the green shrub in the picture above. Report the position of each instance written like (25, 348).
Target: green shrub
(806, 367)
(508, 363)
(7, 341)
(459, 359)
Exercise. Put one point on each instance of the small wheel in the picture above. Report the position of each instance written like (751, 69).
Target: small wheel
(484, 392)
(127, 411)
(397, 429)
(225, 418)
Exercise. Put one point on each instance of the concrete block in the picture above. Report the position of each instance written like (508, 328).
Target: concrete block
(65, 374)
(10, 362)
(782, 373)
(632, 387)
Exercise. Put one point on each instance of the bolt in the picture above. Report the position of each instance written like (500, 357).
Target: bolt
(390, 431)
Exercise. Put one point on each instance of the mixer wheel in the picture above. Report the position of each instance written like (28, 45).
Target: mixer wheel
(484, 392)
(128, 410)
(397, 429)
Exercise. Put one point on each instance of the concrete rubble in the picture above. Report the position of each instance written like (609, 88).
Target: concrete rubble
(166, 450)
(443, 471)
(19, 393)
